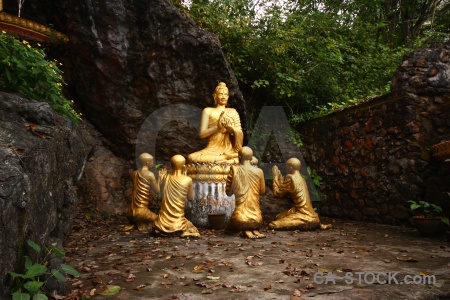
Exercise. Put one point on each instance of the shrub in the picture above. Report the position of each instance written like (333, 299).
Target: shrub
(24, 70)
(30, 283)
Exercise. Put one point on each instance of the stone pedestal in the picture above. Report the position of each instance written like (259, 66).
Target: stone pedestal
(210, 195)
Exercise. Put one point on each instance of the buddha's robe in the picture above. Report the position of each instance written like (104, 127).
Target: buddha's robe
(171, 217)
(221, 142)
(138, 212)
(245, 183)
(301, 215)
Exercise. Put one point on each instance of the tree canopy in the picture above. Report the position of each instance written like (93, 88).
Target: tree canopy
(314, 56)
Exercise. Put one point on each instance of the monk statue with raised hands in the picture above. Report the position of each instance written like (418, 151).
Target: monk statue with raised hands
(301, 215)
(221, 125)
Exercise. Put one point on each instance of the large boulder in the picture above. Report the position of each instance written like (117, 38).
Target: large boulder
(42, 157)
(128, 59)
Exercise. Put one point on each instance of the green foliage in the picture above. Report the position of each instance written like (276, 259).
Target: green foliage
(316, 179)
(312, 57)
(110, 290)
(30, 284)
(159, 166)
(428, 210)
(24, 69)
(295, 138)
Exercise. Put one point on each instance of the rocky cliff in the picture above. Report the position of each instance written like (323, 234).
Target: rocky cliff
(128, 59)
(42, 158)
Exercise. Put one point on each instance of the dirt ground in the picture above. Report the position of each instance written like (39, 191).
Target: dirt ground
(353, 260)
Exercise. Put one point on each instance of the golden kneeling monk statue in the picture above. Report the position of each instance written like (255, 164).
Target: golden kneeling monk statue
(144, 183)
(301, 215)
(222, 126)
(175, 188)
(246, 182)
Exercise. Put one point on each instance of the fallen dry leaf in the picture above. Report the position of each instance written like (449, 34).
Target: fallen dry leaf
(77, 283)
(407, 259)
(139, 287)
(266, 288)
(199, 268)
(425, 273)
(254, 263)
(32, 128)
(238, 289)
(310, 286)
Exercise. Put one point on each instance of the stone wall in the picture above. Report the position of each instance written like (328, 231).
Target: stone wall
(375, 156)
(42, 157)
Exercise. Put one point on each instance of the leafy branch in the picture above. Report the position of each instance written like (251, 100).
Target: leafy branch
(30, 283)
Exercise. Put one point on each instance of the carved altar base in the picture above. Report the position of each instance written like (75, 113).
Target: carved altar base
(210, 196)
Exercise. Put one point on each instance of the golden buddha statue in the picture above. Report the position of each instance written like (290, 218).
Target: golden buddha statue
(222, 126)
(144, 183)
(301, 215)
(246, 182)
(175, 188)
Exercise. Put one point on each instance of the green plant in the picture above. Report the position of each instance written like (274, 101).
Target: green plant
(427, 210)
(159, 165)
(30, 283)
(24, 69)
(316, 179)
(295, 138)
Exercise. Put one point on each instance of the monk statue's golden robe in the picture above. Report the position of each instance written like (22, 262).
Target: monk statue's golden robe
(171, 217)
(138, 212)
(301, 215)
(222, 142)
(247, 183)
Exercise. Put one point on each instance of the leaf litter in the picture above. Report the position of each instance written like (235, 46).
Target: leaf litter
(136, 261)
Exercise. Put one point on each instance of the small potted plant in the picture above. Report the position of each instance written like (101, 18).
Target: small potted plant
(428, 219)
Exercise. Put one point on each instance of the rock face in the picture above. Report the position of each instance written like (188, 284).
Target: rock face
(42, 158)
(106, 181)
(424, 71)
(128, 59)
(375, 156)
